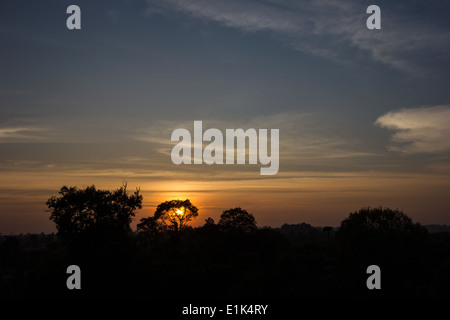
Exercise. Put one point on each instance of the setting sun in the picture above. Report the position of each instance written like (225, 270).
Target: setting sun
(179, 211)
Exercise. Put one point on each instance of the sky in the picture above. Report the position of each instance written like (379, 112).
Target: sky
(363, 115)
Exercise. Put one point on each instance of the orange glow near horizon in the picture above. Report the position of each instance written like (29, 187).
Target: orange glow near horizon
(311, 197)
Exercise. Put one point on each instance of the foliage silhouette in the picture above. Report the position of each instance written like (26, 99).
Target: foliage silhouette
(295, 261)
(209, 225)
(94, 226)
(77, 211)
(209, 222)
(151, 226)
(302, 233)
(385, 237)
(373, 227)
(237, 219)
(170, 215)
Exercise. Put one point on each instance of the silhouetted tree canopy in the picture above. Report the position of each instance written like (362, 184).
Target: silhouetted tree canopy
(209, 222)
(379, 232)
(237, 219)
(302, 233)
(379, 220)
(151, 225)
(173, 214)
(210, 226)
(88, 210)
(384, 237)
(295, 261)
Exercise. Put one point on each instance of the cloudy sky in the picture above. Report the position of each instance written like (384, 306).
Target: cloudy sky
(364, 115)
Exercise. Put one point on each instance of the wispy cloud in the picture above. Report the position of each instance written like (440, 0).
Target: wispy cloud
(327, 28)
(19, 133)
(305, 138)
(425, 129)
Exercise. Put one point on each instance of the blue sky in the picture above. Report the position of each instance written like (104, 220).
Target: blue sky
(363, 114)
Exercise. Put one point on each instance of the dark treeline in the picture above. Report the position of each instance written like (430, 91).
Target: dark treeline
(291, 262)
(230, 259)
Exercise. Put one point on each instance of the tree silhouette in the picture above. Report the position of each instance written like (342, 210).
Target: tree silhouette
(377, 222)
(174, 214)
(385, 237)
(209, 225)
(237, 219)
(151, 226)
(209, 222)
(378, 231)
(77, 211)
